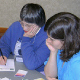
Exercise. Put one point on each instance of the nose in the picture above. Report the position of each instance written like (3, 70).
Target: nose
(24, 27)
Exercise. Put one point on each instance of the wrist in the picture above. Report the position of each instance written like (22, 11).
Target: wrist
(54, 52)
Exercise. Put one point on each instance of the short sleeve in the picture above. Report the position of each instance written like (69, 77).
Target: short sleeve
(58, 57)
(46, 61)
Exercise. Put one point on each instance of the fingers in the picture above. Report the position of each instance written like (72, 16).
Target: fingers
(3, 61)
(48, 43)
(51, 46)
(31, 33)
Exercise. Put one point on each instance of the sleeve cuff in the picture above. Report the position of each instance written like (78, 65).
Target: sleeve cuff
(24, 39)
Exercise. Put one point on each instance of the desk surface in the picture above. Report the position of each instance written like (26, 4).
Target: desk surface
(31, 75)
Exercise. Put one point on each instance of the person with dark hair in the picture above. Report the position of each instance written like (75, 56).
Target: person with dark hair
(63, 40)
(27, 38)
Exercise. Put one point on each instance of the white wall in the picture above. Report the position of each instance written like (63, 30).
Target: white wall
(10, 9)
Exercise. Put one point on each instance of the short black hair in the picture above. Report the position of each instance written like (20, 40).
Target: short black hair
(33, 13)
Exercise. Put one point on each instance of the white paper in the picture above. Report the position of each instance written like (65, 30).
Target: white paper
(5, 78)
(9, 66)
(22, 72)
(19, 59)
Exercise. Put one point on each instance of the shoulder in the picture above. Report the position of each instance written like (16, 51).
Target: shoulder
(75, 57)
(14, 28)
(75, 62)
(42, 33)
(16, 25)
(75, 68)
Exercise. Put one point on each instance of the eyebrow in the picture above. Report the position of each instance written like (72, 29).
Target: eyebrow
(54, 38)
(50, 37)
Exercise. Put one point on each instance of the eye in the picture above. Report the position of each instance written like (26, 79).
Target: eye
(27, 25)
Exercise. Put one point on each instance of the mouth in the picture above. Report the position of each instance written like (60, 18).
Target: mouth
(25, 31)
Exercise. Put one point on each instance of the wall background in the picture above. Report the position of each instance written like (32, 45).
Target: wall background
(10, 9)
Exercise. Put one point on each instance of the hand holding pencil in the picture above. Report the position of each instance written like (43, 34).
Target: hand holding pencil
(3, 59)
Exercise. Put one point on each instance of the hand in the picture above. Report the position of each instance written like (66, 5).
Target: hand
(50, 46)
(32, 32)
(3, 61)
(51, 78)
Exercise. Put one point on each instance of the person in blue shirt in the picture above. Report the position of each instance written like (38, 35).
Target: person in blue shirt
(63, 40)
(27, 38)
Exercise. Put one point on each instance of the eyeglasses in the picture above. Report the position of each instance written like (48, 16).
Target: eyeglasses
(23, 23)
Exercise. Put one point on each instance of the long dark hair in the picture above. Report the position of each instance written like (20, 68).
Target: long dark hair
(65, 26)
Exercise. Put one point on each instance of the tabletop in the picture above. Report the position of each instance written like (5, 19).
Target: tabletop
(31, 75)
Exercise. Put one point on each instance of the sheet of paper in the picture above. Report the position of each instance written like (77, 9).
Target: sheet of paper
(5, 78)
(9, 66)
(19, 58)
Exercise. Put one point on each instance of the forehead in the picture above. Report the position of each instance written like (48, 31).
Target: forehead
(53, 39)
(26, 23)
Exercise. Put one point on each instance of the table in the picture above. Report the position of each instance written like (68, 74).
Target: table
(31, 75)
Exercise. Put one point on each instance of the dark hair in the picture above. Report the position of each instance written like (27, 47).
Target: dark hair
(65, 26)
(33, 13)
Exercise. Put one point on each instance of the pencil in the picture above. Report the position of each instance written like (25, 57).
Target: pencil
(2, 54)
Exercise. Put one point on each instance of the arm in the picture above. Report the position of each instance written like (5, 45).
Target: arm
(6, 42)
(34, 57)
(51, 67)
(4, 46)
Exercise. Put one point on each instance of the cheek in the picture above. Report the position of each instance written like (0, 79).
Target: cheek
(60, 45)
(57, 45)
(26, 28)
